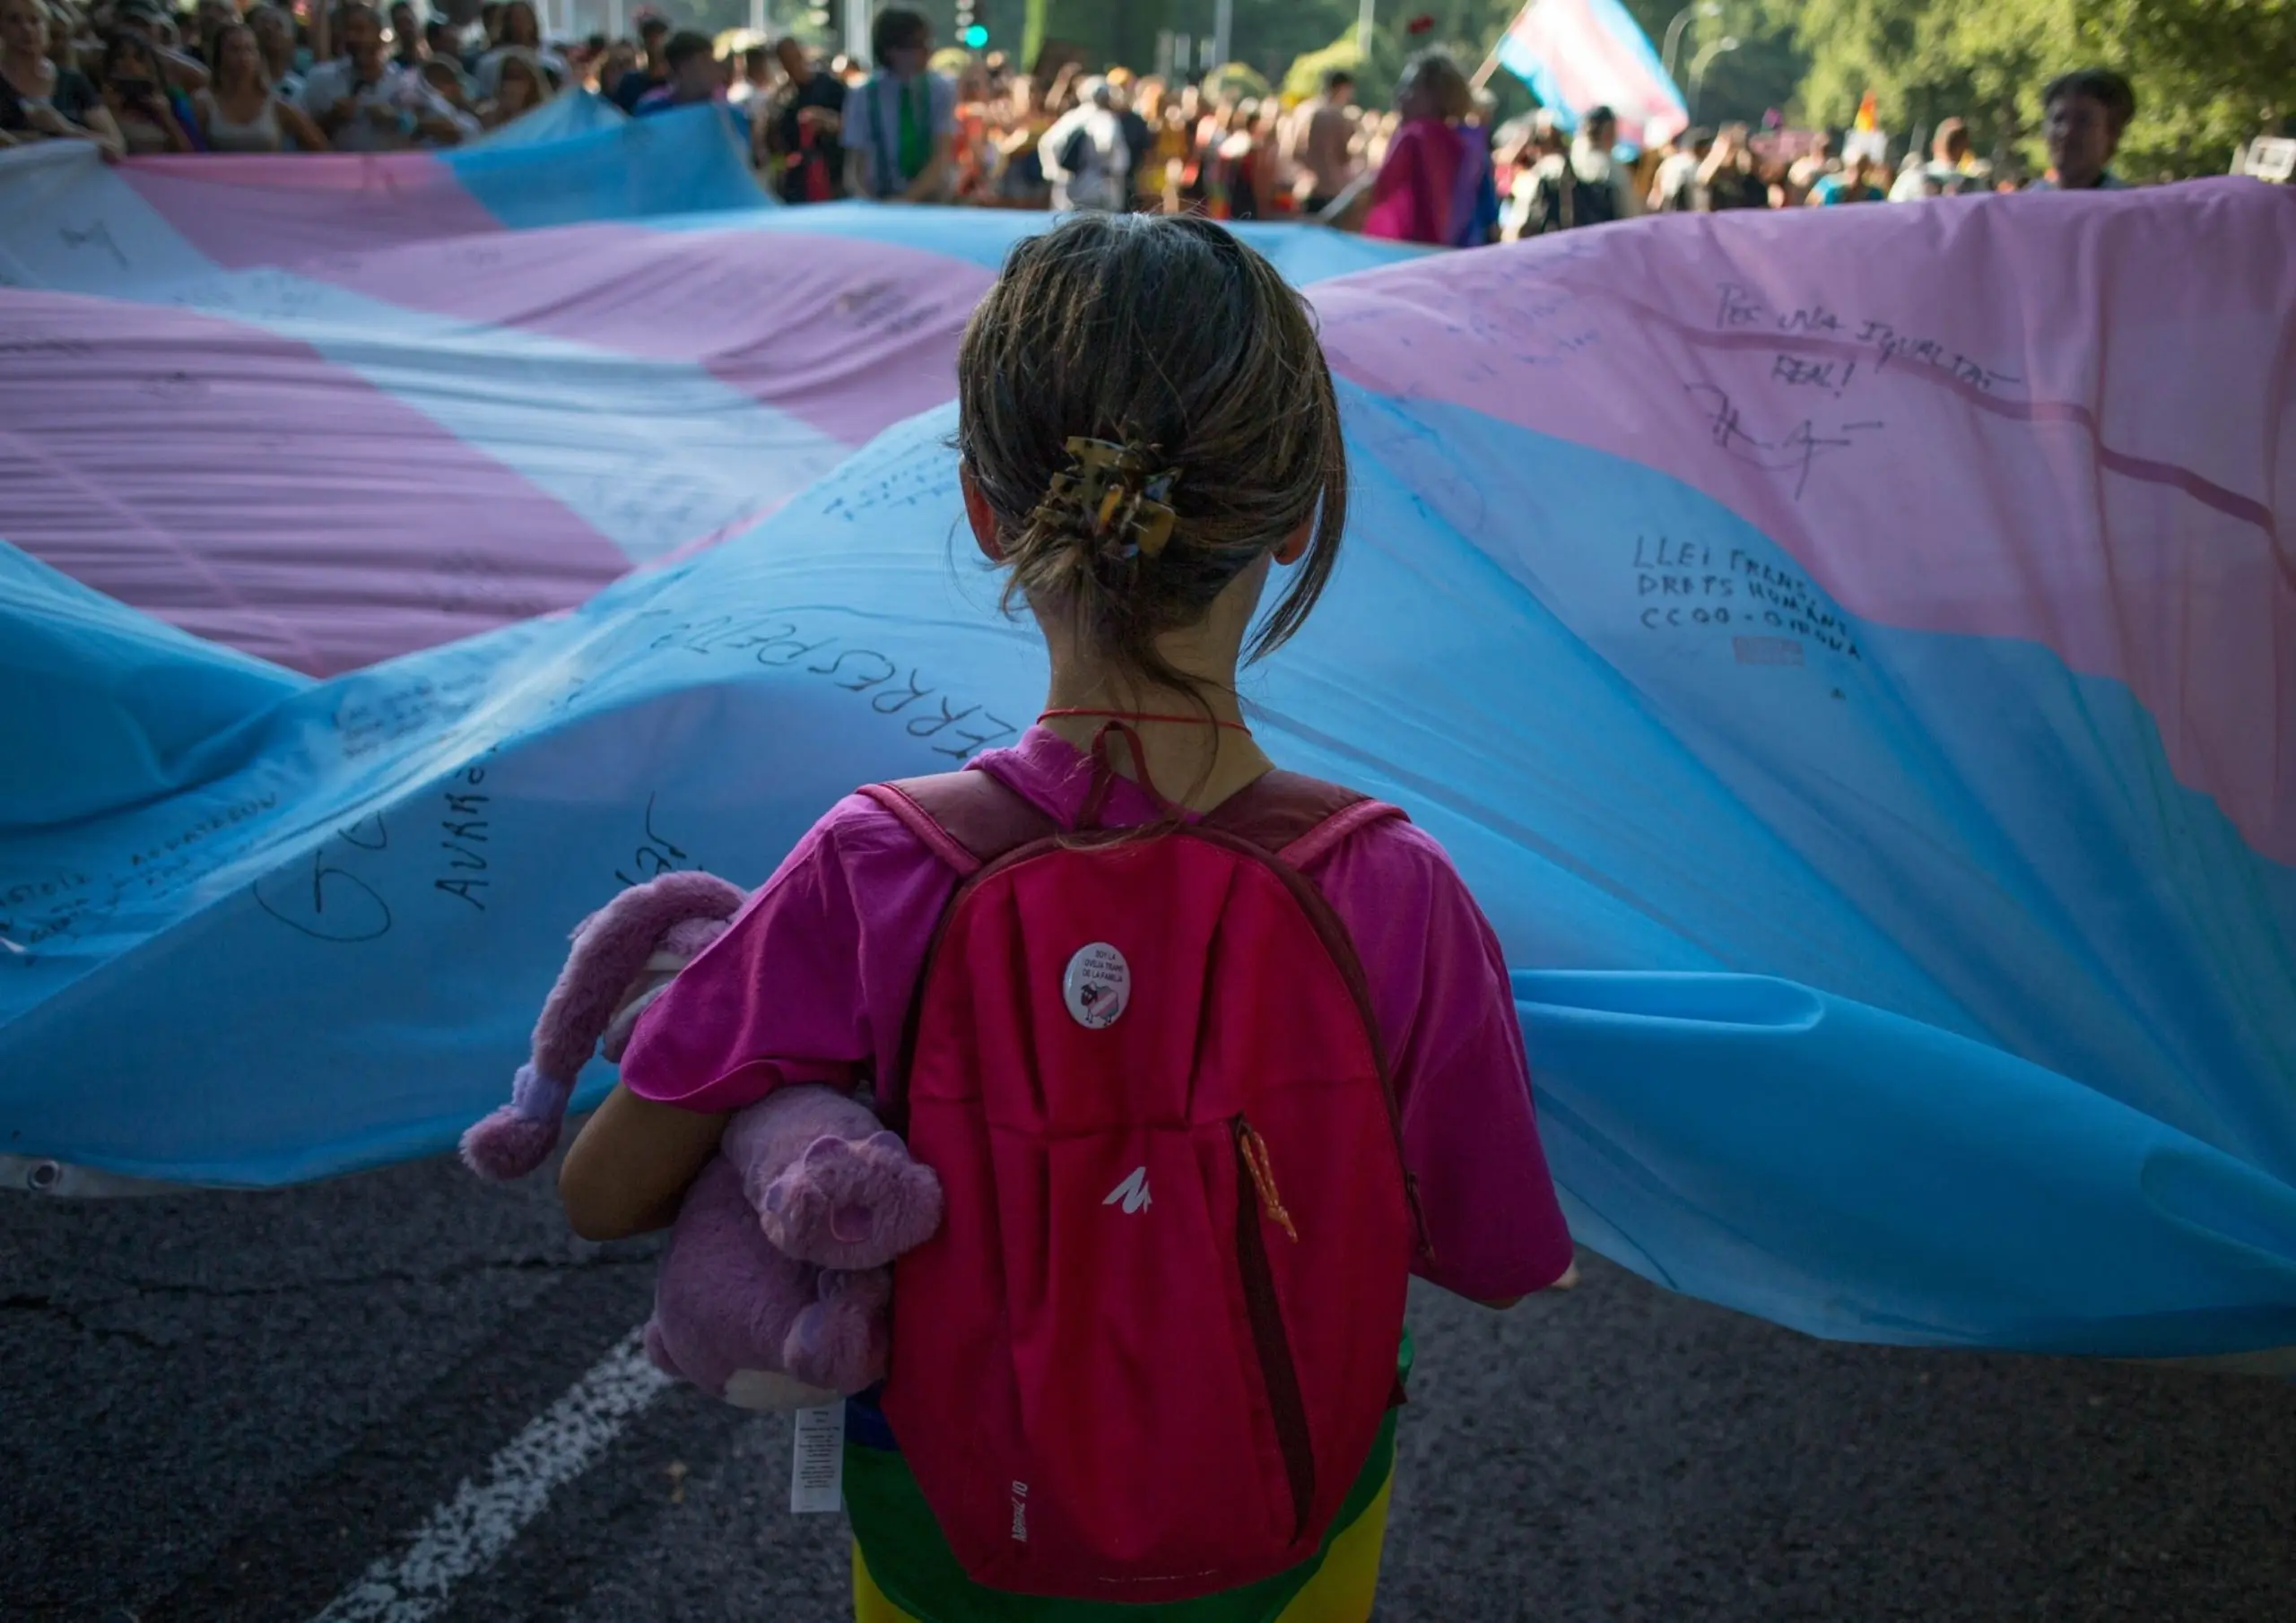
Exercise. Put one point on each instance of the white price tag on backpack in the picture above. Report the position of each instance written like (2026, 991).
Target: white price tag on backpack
(817, 1461)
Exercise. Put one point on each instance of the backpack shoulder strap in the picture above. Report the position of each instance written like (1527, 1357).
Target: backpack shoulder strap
(1296, 819)
(967, 818)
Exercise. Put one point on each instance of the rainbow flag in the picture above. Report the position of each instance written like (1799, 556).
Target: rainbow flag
(1578, 54)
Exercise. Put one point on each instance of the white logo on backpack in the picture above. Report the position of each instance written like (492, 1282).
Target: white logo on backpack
(1132, 1191)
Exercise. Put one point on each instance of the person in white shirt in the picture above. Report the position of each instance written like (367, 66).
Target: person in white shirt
(1950, 171)
(363, 104)
(1674, 188)
(1586, 186)
(1085, 155)
(755, 84)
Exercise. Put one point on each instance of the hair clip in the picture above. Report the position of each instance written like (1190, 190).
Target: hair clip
(1120, 491)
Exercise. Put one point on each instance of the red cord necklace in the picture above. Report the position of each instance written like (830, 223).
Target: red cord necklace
(1180, 721)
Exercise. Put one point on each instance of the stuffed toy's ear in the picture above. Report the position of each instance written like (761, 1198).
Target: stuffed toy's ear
(612, 947)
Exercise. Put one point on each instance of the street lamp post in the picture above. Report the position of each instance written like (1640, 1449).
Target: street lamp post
(1703, 8)
(1365, 21)
(1698, 65)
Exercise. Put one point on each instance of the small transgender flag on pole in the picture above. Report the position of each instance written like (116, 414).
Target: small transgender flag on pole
(1580, 54)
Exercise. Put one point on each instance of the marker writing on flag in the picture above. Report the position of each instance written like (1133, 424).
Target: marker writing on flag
(778, 640)
(1742, 309)
(1795, 452)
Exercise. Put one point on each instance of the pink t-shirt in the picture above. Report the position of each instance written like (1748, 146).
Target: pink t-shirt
(814, 980)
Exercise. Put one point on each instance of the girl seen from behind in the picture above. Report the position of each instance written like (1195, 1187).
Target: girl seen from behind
(1268, 1056)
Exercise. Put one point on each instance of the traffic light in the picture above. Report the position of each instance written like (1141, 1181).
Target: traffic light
(973, 32)
(975, 36)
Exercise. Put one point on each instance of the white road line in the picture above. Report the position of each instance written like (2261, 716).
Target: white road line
(488, 1512)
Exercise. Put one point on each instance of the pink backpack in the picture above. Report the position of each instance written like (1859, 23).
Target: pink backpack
(1149, 1352)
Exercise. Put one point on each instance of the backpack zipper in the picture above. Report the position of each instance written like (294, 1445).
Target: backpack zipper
(1287, 1404)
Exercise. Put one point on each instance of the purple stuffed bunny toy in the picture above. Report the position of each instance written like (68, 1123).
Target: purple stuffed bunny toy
(774, 1291)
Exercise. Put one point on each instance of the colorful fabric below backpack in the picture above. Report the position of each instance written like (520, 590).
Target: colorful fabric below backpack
(1153, 1345)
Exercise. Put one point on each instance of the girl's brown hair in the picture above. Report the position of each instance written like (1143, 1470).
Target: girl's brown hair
(1169, 335)
(214, 53)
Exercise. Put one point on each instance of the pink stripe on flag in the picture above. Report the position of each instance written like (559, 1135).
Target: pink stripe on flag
(239, 486)
(242, 211)
(1968, 469)
(848, 336)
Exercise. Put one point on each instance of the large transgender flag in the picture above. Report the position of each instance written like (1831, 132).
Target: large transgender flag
(339, 362)
(1578, 54)
(1848, 652)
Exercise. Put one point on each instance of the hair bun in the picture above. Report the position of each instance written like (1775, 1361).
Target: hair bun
(1116, 497)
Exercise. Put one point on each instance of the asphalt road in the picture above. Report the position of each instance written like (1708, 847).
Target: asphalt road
(235, 1406)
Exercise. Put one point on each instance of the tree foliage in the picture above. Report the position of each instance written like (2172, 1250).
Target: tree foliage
(1764, 74)
(2209, 74)
(1375, 74)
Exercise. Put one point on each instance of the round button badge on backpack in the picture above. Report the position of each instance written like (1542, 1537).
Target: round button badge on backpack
(1097, 986)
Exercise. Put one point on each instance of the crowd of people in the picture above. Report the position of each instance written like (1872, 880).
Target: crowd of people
(137, 79)
(956, 126)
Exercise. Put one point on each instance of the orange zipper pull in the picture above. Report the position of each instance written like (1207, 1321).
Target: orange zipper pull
(1255, 1149)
